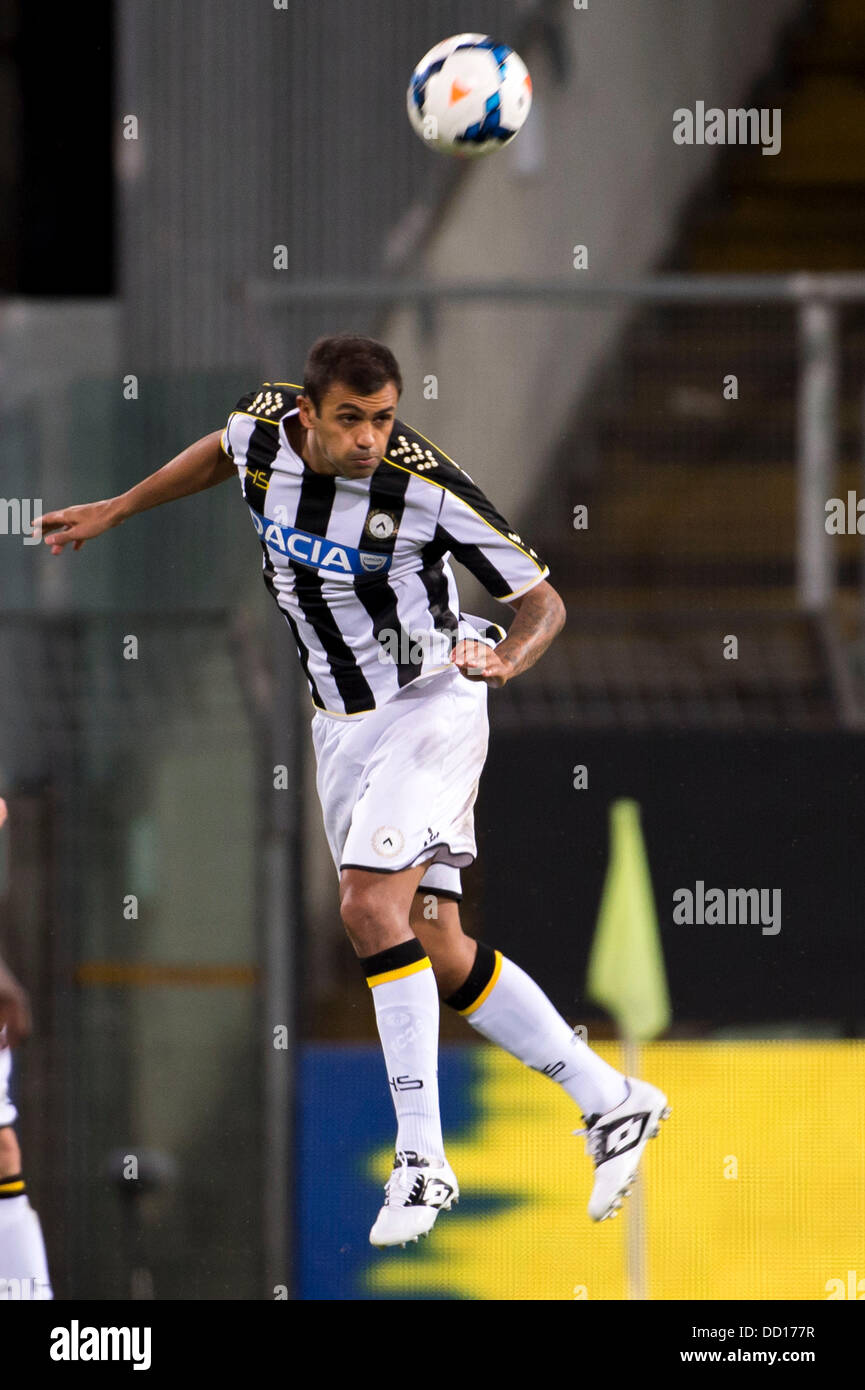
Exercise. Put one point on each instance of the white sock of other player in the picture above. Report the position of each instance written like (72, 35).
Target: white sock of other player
(407, 1013)
(505, 1006)
(23, 1264)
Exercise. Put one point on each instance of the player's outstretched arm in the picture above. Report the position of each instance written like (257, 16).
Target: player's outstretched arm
(202, 465)
(540, 616)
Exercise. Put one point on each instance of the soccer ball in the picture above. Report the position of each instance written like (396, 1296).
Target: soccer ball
(469, 95)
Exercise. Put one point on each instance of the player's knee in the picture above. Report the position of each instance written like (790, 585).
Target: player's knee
(10, 1154)
(369, 920)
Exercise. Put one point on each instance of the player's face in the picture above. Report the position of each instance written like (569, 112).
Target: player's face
(349, 431)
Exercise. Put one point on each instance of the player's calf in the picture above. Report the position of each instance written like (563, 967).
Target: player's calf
(375, 910)
(10, 1153)
(505, 1006)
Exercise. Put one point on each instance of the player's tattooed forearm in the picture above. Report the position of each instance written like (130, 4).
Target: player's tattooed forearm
(540, 616)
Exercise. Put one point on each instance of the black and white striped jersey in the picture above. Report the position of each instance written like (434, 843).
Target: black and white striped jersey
(359, 566)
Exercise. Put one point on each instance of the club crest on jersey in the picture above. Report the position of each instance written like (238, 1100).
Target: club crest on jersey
(380, 526)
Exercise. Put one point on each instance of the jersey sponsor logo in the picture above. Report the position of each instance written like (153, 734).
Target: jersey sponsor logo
(380, 525)
(387, 841)
(316, 552)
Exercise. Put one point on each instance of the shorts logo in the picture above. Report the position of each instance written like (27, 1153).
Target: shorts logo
(388, 841)
(380, 525)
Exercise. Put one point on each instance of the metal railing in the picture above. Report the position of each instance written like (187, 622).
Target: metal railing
(817, 299)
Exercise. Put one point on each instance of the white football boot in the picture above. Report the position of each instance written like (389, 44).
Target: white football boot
(615, 1143)
(414, 1194)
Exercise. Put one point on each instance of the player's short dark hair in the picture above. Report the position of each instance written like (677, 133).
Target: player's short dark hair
(362, 363)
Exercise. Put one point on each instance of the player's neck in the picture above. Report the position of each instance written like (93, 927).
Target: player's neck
(304, 445)
(312, 455)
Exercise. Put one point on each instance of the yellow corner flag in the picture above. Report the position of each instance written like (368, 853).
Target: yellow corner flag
(626, 965)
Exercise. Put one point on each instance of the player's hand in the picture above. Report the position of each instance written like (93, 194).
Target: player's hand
(4, 812)
(478, 662)
(14, 1009)
(75, 525)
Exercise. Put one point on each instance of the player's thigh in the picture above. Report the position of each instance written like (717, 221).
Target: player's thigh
(451, 952)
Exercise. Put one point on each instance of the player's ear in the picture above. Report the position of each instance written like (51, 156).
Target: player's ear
(305, 410)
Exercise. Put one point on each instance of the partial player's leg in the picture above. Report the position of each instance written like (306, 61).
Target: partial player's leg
(506, 1007)
(23, 1266)
(436, 923)
(501, 1001)
(375, 911)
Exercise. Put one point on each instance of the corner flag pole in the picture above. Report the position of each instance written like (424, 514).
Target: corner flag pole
(626, 976)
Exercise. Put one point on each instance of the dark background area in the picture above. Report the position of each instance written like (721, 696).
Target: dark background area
(56, 184)
(767, 811)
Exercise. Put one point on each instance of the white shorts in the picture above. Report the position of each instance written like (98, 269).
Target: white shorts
(398, 787)
(8, 1113)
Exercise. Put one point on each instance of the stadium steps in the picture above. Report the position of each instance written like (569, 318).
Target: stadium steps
(691, 497)
(803, 206)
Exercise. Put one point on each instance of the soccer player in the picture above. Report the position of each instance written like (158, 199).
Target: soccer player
(23, 1266)
(357, 515)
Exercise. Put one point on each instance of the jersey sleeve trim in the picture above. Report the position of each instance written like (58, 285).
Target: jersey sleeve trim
(525, 588)
(259, 419)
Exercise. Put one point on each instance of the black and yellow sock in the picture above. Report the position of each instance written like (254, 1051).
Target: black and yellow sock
(406, 1003)
(479, 982)
(502, 1003)
(395, 963)
(13, 1186)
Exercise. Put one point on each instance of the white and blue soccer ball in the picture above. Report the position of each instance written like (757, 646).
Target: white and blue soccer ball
(469, 95)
